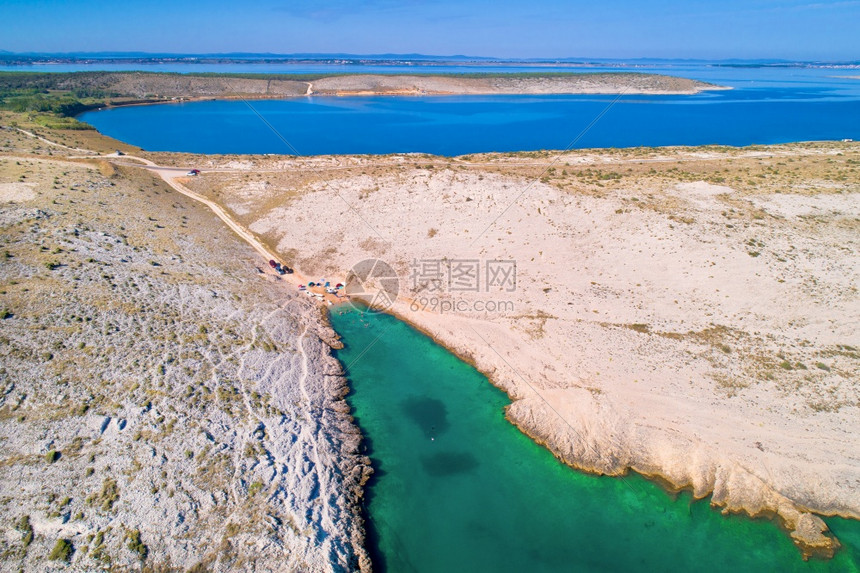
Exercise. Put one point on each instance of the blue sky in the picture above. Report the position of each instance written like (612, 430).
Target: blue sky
(502, 28)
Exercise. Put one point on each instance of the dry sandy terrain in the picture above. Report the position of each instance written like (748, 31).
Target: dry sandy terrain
(688, 313)
(164, 403)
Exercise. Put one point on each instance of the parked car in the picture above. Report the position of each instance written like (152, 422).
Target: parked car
(193, 172)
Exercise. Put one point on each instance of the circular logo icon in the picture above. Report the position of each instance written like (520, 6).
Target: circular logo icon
(373, 284)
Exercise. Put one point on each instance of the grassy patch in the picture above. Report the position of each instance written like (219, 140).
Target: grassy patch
(108, 496)
(53, 122)
(255, 488)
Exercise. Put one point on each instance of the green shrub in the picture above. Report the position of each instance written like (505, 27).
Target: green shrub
(136, 545)
(26, 529)
(62, 551)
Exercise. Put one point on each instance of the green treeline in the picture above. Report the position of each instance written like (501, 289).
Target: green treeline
(52, 94)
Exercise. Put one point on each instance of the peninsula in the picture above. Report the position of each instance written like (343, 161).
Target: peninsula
(96, 89)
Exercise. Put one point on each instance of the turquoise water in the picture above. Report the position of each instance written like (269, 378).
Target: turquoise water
(458, 488)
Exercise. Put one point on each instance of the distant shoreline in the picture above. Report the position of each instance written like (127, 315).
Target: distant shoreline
(111, 88)
(186, 88)
(70, 94)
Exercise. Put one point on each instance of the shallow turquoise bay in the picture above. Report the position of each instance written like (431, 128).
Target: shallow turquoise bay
(458, 488)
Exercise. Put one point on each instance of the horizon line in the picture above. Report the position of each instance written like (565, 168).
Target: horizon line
(394, 56)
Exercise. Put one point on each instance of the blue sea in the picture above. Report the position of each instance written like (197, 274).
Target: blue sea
(765, 106)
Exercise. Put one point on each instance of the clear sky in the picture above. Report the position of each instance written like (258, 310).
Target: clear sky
(793, 29)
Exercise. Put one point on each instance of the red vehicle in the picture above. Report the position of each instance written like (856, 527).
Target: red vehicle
(273, 264)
